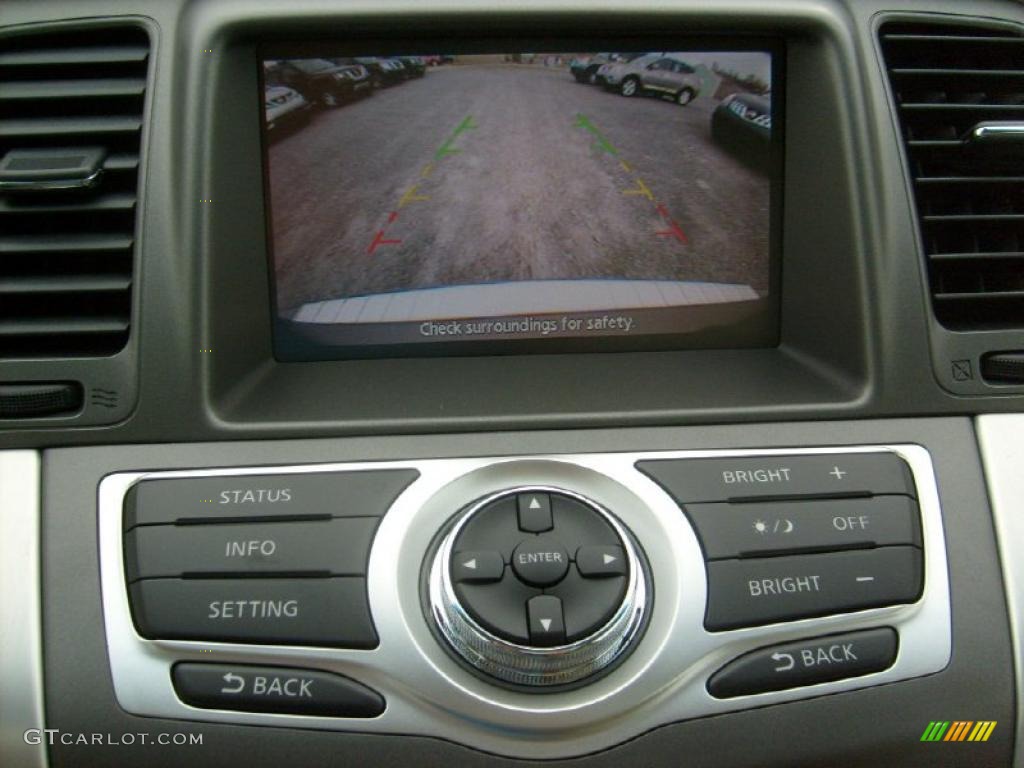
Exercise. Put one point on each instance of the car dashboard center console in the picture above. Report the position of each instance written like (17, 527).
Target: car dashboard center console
(541, 593)
(551, 382)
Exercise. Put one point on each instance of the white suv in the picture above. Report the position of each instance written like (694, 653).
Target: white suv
(658, 73)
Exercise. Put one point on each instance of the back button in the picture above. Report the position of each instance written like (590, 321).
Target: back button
(274, 689)
(806, 662)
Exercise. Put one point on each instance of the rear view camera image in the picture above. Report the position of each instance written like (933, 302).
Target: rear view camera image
(529, 196)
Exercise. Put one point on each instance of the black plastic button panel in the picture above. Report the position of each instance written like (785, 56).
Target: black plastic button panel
(558, 583)
(806, 662)
(791, 537)
(274, 689)
(272, 558)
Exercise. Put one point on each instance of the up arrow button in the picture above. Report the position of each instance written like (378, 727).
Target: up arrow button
(598, 561)
(534, 512)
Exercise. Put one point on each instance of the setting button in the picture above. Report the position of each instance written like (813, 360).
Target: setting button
(806, 662)
(274, 689)
(744, 593)
(547, 626)
(819, 475)
(541, 561)
(737, 530)
(598, 561)
(534, 512)
(478, 566)
(330, 612)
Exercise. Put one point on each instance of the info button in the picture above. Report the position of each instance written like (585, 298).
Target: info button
(807, 662)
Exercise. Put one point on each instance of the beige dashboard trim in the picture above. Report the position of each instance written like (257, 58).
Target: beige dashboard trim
(21, 646)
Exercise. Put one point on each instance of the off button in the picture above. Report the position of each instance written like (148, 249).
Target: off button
(274, 689)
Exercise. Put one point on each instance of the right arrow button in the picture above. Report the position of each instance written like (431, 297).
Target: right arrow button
(599, 561)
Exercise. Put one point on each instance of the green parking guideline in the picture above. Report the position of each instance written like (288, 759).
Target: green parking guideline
(582, 121)
(447, 148)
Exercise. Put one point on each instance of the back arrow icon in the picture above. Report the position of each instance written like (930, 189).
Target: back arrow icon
(780, 657)
(233, 679)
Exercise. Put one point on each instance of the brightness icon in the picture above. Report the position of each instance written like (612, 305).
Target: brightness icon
(761, 526)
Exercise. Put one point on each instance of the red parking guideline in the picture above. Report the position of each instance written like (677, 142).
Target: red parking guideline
(675, 231)
(380, 240)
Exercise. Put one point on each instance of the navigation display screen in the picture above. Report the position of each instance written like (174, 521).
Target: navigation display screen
(493, 203)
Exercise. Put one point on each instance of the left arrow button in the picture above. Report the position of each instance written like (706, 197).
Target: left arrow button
(478, 566)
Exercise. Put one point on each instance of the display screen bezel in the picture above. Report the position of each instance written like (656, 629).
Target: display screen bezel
(760, 331)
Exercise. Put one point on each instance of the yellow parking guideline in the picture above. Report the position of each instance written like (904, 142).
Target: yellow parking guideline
(641, 189)
(410, 196)
(625, 166)
(427, 170)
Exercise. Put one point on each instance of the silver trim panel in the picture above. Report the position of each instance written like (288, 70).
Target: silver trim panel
(429, 693)
(21, 644)
(1001, 439)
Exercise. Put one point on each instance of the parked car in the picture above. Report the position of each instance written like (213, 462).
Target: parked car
(383, 71)
(415, 66)
(661, 75)
(284, 107)
(319, 80)
(585, 68)
(742, 124)
(610, 75)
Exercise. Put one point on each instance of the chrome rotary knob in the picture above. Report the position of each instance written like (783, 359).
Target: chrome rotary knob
(538, 586)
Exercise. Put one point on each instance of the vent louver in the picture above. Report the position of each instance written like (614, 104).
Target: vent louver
(66, 255)
(959, 90)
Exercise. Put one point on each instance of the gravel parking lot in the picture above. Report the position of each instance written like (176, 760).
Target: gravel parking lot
(490, 173)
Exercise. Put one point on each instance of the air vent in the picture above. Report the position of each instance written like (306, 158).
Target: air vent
(71, 116)
(959, 91)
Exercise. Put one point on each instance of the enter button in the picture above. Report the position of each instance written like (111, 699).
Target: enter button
(807, 662)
